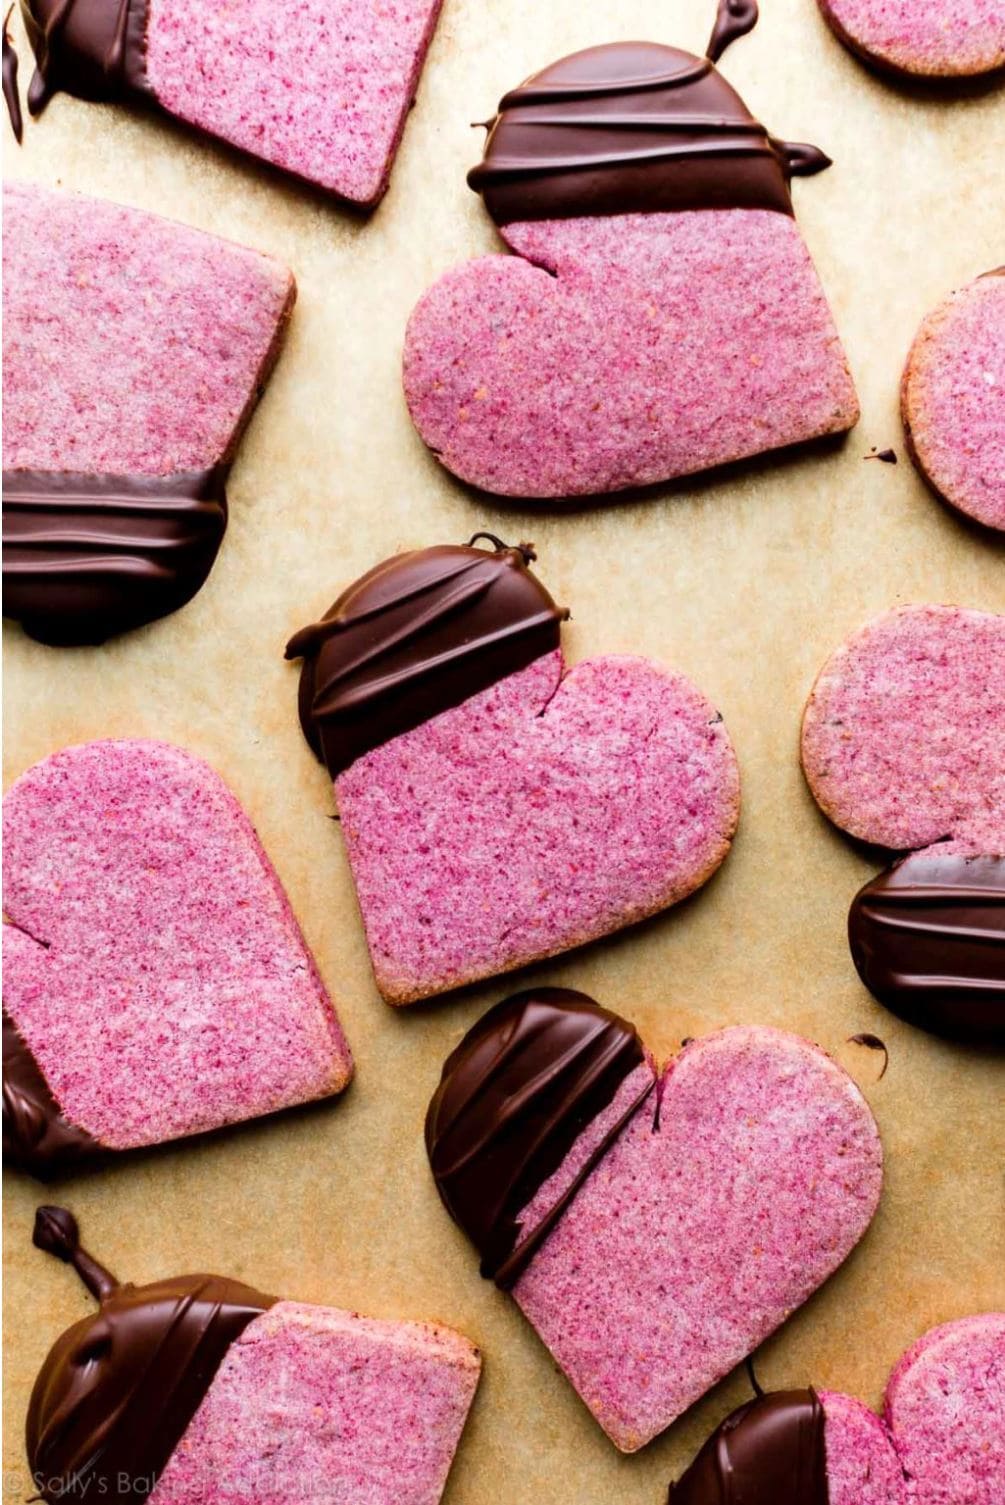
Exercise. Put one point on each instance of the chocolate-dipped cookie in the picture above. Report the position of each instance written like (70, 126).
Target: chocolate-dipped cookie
(319, 91)
(496, 808)
(661, 313)
(134, 352)
(616, 1202)
(168, 1392)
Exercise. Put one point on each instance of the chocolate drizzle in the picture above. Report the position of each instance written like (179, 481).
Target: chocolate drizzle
(94, 49)
(635, 127)
(37, 1137)
(928, 939)
(769, 1452)
(88, 556)
(414, 637)
(11, 97)
(514, 1097)
(118, 1389)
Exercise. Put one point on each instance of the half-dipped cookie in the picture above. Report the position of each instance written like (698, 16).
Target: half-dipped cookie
(199, 1388)
(660, 314)
(134, 352)
(903, 746)
(496, 807)
(618, 1202)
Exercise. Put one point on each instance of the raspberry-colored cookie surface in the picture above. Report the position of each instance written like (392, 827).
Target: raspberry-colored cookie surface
(903, 746)
(953, 399)
(924, 38)
(497, 808)
(318, 88)
(134, 351)
(196, 1389)
(945, 1406)
(941, 1441)
(653, 1227)
(156, 983)
(661, 313)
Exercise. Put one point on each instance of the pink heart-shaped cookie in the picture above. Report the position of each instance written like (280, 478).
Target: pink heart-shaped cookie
(156, 983)
(495, 809)
(661, 314)
(653, 1228)
(941, 1441)
(903, 746)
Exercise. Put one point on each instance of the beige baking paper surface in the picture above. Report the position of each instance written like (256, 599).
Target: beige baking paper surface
(746, 582)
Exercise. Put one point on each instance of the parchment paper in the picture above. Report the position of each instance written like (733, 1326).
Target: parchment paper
(745, 581)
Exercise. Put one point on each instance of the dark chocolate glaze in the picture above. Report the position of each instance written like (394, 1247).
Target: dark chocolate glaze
(88, 556)
(118, 1389)
(769, 1452)
(414, 637)
(633, 127)
(928, 939)
(873, 1042)
(733, 20)
(514, 1097)
(37, 1137)
(94, 49)
(887, 456)
(10, 95)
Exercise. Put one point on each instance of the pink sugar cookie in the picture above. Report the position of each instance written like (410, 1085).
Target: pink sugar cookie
(155, 980)
(903, 746)
(661, 314)
(134, 351)
(945, 1406)
(653, 1229)
(318, 88)
(923, 38)
(903, 740)
(953, 399)
(497, 809)
(212, 1391)
(796, 1447)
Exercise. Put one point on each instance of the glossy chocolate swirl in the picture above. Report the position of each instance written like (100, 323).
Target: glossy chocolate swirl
(628, 128)
(37, 1137)
(514, 1097)
(928, 939)
(118, 1389)
(414, 637)
(94, 49)
(88, 556)
(12, 98)
(769, 1452)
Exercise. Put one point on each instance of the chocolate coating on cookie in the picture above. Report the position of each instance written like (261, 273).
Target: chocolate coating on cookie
(769, 1452)
(118, 1389)
(928, 939)
(414, 637)
(513, 1099)
(94, 49)
(88, 556)
(37, 1137)
(628, 128)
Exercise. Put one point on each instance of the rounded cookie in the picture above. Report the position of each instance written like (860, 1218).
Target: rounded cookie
(953, 400)
(922, 38)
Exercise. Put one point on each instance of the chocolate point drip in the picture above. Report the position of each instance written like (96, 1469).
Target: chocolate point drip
(734, 19)
(872, 1042)
(769, 1452)
(94, 49)
(118, 1389)
(11, 97)
(415, 637)
(56, 1232)
(634, 127)
(514, 1097)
